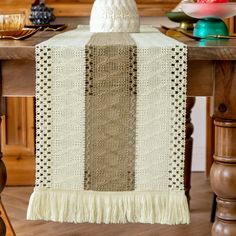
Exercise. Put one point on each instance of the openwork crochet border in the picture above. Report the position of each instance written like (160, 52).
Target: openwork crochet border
(178, 118)
(43, 116)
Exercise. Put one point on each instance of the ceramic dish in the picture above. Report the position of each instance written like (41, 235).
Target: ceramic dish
(185, 22)
(180, 17)
(48, 27)
(18, 34)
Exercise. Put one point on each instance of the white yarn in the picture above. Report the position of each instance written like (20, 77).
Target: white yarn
(109, 207)
(158, 90)
(114, 16)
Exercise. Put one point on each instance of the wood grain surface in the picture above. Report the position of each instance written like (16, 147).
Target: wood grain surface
(22, 56)
(83, 7)
(209, 50)
(224, 90)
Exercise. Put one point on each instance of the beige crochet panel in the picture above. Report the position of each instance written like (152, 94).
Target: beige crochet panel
(110, 112)
(110, 128)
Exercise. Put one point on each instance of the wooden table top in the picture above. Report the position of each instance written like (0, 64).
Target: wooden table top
(209, 50)
(18, 63)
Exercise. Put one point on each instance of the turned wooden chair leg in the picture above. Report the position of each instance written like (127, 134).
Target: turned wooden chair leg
(188, 147)
(210, 134)
(9, 229)
(210, 144)
(3, 178)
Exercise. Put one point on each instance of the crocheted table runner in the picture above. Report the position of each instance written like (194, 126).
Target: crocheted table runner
(110, 126)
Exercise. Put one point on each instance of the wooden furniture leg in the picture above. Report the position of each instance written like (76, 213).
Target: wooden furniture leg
(3, 172)
(9, 229)
(210, 134)
(223, 171)
(213, 209)
(3, 178)
(5, 224)
(188, 147)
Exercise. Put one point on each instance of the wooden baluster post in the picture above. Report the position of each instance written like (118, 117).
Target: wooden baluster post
(3, 172)
(188, 147)
(223, 171)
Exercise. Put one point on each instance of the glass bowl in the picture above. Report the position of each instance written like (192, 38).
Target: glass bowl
(210, 10)
(210, 26)
(11, 21)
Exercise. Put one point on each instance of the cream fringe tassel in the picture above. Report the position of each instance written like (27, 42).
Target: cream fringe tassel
(109, 207)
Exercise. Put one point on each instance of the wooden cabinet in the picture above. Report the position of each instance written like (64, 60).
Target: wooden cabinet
(18, 140)
(83, 7)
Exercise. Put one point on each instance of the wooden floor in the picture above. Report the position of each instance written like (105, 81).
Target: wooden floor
(16, 199)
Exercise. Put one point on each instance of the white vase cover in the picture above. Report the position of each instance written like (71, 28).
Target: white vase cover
(114, 16)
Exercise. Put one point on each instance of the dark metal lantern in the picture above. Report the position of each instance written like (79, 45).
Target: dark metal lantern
(41, 14)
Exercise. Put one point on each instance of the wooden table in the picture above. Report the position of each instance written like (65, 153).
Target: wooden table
(211, 72)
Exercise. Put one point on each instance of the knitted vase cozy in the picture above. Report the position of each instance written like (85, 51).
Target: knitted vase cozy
(114, 16)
